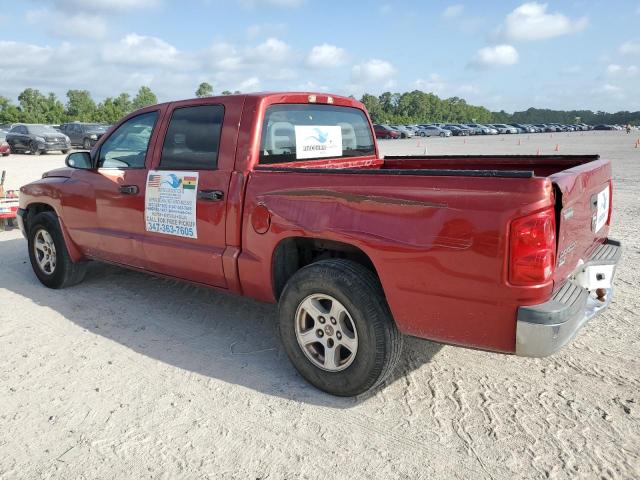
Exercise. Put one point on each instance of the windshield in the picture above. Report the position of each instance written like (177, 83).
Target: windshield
(307, 132)
(41, 129)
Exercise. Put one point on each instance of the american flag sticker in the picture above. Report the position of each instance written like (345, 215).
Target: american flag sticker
(154, 180)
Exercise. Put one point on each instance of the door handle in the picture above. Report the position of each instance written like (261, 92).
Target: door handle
(211, 195)
(129, 189)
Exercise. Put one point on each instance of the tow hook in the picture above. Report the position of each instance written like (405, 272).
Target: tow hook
(601, 293)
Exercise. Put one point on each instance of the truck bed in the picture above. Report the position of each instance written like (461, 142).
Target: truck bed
(436, 227)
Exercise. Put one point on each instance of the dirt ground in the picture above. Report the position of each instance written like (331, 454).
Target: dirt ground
(130, 376)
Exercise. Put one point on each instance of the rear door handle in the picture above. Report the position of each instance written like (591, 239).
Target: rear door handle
(129, 189)
(211, 195)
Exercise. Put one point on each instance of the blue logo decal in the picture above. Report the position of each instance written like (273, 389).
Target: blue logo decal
(175, 182)
(320, 137)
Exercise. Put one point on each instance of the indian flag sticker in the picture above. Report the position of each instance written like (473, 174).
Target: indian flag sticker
(189, 183)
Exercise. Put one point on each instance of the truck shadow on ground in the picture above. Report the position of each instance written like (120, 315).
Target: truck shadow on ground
(218, 335)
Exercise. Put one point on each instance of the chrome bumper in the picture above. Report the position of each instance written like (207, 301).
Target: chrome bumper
(544, 329)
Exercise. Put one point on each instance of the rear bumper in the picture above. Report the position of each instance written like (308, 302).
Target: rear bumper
(544, 329)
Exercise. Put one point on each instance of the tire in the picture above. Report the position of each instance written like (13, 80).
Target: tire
(366, 324)
(443, 134)
(34, 149)
(65, 151)
(5, 154)
(86, 144)
(422, 134)
(63, 272)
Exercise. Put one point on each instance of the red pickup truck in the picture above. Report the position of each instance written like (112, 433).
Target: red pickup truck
(284, 198)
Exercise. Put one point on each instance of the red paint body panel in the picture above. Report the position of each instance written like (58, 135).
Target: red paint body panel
(439, 244)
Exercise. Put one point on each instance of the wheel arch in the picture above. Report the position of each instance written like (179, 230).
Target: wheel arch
(293, 253)
(34, 208)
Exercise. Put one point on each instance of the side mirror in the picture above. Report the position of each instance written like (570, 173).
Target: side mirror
(79, 160)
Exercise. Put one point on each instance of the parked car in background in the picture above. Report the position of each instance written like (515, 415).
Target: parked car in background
(385, 131)
(433, 131)
(37, 138)
(84, 134)
(503, 128)
(5, 149)
(604, 127)
(405, 132)
(486, 129)
(457, 131)
(522, 127)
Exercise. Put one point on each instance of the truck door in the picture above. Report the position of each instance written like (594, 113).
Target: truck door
(186, 195)
(119, 189)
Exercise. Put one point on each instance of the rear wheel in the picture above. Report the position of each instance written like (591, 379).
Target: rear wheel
(48, 253)
(337, 329)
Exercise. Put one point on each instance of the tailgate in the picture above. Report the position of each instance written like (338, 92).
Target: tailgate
(583, 200)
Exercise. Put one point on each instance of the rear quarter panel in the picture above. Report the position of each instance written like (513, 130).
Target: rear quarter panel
(439, 244)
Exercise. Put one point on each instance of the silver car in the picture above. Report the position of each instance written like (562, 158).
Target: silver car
(433, 131)
(404, 131)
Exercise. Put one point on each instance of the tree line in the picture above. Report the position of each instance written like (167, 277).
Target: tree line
(420, 107)
(394, 108)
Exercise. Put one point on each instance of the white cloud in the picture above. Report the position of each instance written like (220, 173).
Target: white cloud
(93, 6)
(453, 11)
(272, 50)
(326, 56)
(434, 83)
(616, 70)
(437, 84)
(142, 51)
(531, 21)
(498, 55)
(250, 84)
(630, 48)
(373, 70)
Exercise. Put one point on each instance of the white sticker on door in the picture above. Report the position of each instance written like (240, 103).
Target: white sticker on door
(602, 209)
(316, 141)
(170, 203)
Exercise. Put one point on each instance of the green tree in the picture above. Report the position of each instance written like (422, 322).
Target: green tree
(80, 106)
(144, 98)
(226, 92)
(204, 90)
(32, 106)
(9, 113)
(113, 109)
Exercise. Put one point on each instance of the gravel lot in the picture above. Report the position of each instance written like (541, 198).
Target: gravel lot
(130, 376)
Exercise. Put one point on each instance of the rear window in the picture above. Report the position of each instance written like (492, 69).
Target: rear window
(307, 132)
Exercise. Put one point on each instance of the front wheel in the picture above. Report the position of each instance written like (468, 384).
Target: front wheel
(48, 253)
(337, 329)
(34, 149)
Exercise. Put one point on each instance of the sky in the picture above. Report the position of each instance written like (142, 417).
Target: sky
(505, 55)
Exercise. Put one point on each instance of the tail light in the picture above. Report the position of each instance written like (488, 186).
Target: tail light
(532, 248)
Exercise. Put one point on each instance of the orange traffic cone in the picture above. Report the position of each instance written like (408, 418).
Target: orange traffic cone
(557, 149)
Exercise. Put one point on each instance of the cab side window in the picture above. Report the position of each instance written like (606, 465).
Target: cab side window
(193, 138)
(127, 146)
